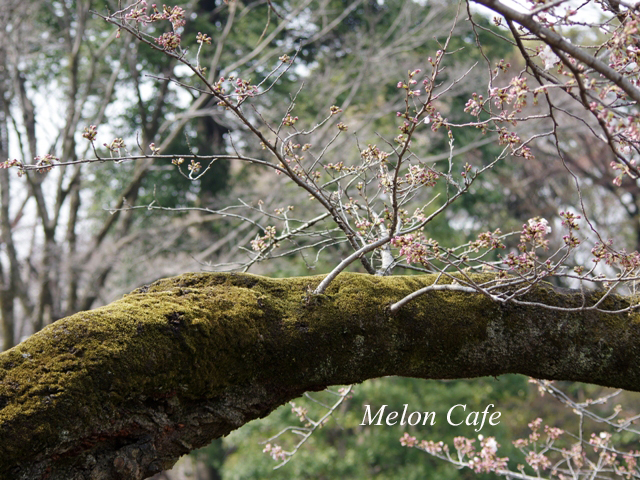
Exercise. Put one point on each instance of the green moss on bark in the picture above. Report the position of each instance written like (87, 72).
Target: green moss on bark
(240, 345)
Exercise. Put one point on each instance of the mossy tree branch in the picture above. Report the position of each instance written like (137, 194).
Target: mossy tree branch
(122, 391)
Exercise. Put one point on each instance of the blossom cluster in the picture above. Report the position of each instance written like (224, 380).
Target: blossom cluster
(427, 445)
(260, 243)
(535, 233)
(415, 248)
(11, 163)
(522, 263)
(628, 262)
(483, 461)
(243, 89)
(486, 460)
(421, 176)
(115, 145)
(474, 104)
(569, 220)
(275, 451)
(488, 240)
(90, 132)
(170, 41)
(300, 412)
(138, 13)
(45, 163)
(410, 83)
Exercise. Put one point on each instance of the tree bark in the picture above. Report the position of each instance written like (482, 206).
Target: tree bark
(121, 392)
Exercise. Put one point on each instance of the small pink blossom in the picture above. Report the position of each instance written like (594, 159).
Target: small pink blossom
(548, 57)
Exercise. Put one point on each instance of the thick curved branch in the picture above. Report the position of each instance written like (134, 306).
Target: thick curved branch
(122, 391)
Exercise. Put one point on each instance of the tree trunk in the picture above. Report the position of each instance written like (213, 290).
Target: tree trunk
(121, 392)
